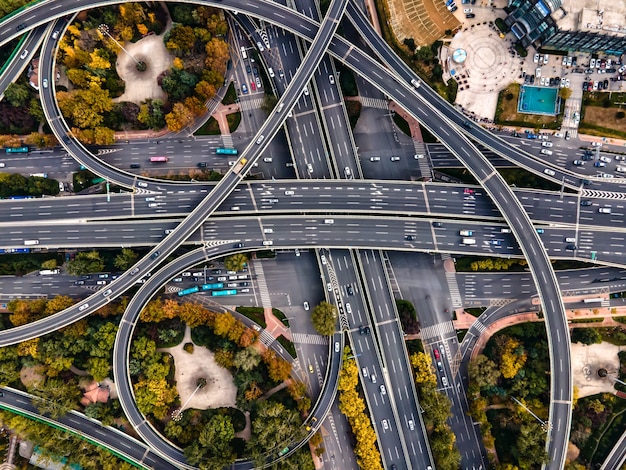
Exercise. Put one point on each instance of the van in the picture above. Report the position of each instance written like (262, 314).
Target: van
(268, 230)
(268, 242)
(329, 221)
(469, 241)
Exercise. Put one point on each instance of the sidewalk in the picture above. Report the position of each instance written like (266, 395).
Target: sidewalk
(274, 326)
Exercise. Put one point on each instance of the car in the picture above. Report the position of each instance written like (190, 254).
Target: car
(177, 279)
(186, 274)
(454, 8)
(260, 46)
(540, 230)
(549, 172)
(383, 390)
(281, 74)
(258, 82)
(244, 88)
(107, 292)
(587, 157)
(24, 54)
(245, 284)
(564, 61)
(79, 283)
(306, 305)
(348, 308)
(538, 72)
(350, 290)
(439, 366)
(238, 245)
(596, 144)
(135, 271)
(567, 83)
(605, 159)
(621, 169)
(466, 233)
(470, 16)
(592, 63)
(309, 167)
(297, 251)
(436, 353)
(586, 202)
(101, 283)
(569, 61)
(45, 82)
(543, 81)
(604, 210)
(599, 164)
(331, 79)
(384, 423)
(248, 69)
(252, 86)
(142, 184)
(270, 72)
(323, 258)
(578, 163)
(267, 159)
(306, 91)
(444, 381)
(329, 287)
(547, 144)
(83, 307)
(395, 158)
(467, 10)
(545, 59)
(411, 425)
(437, 224)
(468, 191)
(418, 156)
(620, 158)
(21, 26)
(536, 58)
(571, 247)
(364, 371)
(289, 193)
(311, 368)
(374, 159)
(347, 172)
(135, 165)
(532, 79)
(336, 346)
(373, 377)
(409, 238)
(496, 242)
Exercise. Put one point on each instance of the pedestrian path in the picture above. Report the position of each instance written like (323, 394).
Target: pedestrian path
(261, 284)
(227, 141)
(420, 149)
(453, 287)
(302, 338)
(250, 104)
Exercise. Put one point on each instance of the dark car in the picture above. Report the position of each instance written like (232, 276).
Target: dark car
(350, 290)
(606, 83)
(470, 15)
(248, 69)
(410, 238)
(244, 284)
(155, 255)
(216, 271)
(202, 165)
(437, 224)
(586, 202)
(587, 157)
(86, 276)
(21, 26)
(238, 245)
(571, 247)
(364, 330)
(135, 165)
(79, 283)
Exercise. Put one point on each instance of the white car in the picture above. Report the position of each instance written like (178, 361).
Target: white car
(383, 390)
(306, 307)
(268, 159)
(374, 159)
(467, 10)
(605, 159)
(45, 83)
(83, 307)
(536, 58)
(385, 424)
(309, 168)
(546, 152)
(24, 54)
(538, 72)
(331, 79)
(260, 46)
(545, 59)
(549, 172)
(306, 91)
(546, 144)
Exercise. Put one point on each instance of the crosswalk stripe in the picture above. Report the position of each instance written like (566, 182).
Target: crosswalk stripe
(261, 284)
(377, 103)
(457, 302)
(440, 330)
(302, 338)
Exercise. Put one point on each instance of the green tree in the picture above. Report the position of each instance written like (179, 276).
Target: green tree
(56, 397)
(483, 371)
(586, 336)
(49, 264)
(17, 94)
(98, 368)
(125, 259)
(85, 262)
(236, 262)
(246, 359)
(324, 318)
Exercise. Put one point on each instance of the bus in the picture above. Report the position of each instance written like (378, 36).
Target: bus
(17, 150)
(40, 175)
(97, 180)
(226, 151)
(159, 159)
(283, 452)
(49, 272)
(217, 293)
(218, 285)
(191, 290)
(21, 197)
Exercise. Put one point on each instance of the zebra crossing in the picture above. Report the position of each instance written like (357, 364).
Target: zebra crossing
(266, 338)
(261, 284)
(603, 194)
(453, 287)
(227, 141)
(478, 326)
(250, 104)
(395, 288)
(302, 338)
(440, 330)
(377, 103)
(420, 149)
(605, 303)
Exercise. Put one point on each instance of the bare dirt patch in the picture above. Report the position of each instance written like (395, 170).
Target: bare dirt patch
(31, 376)
(423, 20)
(605, 118)
(586, 360)
(220, 390)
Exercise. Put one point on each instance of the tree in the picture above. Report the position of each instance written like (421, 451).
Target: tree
(586, 336)
(512, 356)
(125, 259)
(246, 359)
(324, 318)
(58, 304)
(217, 54)
(483, 372)
(277, 368)
(17, 94)
(565, 93)
(56, 397)
(236, 262)
(99, 368)
(179, 118)
(85, 262)
(49, 264)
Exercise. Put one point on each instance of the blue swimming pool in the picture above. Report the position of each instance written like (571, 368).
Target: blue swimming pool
(538, 100)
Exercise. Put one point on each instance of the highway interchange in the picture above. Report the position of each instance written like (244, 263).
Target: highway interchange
(443, 121)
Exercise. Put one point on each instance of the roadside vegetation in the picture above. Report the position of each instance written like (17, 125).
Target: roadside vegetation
(513, 366)
(324, 318)
(14, 184)
(507, 115)
(603, 114)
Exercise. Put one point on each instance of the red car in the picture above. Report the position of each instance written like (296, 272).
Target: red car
(436, 353)
(468, 191)
(253, 86)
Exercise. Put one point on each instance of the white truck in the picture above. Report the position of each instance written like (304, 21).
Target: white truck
(49, 272)
(469, 241)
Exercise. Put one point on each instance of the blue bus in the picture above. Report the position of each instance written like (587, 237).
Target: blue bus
(217, 293)
(21, 197)
(226, 151)
(218, 285)
(191, 290)
(17, 150)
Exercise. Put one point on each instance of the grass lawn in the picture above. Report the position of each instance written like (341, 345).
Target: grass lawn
(211, 127)
(601, 121)
(506, 112)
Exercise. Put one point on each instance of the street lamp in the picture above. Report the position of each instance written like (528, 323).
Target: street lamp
(104, 29)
